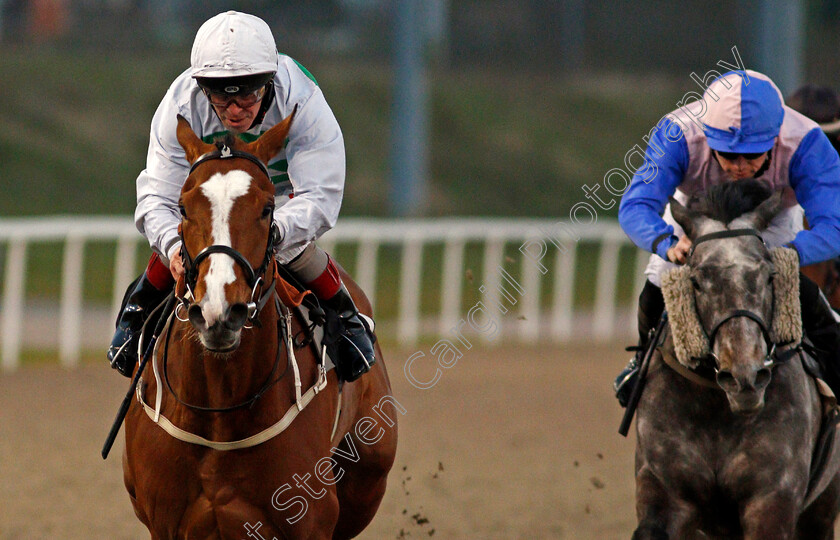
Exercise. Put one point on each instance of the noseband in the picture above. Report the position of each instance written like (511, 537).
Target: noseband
(253, 277)
(771, 358)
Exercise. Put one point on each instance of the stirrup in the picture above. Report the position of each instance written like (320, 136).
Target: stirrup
(627, 378)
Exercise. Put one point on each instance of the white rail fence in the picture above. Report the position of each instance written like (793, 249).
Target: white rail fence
(519, 260)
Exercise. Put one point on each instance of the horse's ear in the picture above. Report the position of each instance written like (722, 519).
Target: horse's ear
(764, 213)
(273, 140)
(192, 145)
(685, 217)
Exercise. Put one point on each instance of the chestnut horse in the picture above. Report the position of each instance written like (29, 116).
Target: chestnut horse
(222, 442)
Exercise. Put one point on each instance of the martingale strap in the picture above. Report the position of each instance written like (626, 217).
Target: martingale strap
(301, 401)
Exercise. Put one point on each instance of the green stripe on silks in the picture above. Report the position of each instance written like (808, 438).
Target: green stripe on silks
(282, 186)
(305, 71)
(281, 166)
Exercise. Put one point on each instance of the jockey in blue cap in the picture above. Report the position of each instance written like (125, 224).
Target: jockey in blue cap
(745, 131)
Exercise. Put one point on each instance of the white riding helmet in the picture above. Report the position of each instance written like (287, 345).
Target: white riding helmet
(233, 44)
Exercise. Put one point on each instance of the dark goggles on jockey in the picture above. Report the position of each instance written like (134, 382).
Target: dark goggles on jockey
(732, 156)
(243, 100)
(245, 91)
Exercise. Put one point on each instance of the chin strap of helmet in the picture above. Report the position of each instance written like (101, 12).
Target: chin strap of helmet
(765, 165)
(267, 99)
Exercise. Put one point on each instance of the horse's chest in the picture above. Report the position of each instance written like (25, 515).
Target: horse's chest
(711, 451)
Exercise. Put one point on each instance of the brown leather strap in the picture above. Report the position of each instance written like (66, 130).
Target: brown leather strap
(672, 363)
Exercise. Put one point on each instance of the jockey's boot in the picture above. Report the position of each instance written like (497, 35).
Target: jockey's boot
(651, 306)
(142, 296)
(354, 345)
(822, 328)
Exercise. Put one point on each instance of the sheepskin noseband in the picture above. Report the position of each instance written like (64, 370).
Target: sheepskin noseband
(690, 340)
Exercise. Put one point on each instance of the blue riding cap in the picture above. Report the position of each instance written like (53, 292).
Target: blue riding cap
(745, 112)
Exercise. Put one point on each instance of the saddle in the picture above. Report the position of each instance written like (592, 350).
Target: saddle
(321, 325)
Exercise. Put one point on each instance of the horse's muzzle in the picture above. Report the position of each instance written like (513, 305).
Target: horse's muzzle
(223, 335)
(745, 388)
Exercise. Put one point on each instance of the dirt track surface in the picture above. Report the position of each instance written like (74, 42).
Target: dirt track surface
(509, 444)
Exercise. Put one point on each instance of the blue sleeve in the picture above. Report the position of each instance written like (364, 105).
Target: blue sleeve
(815, 178)
(642, 206)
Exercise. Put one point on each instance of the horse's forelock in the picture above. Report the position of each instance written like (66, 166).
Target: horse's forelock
(728, 201)
(227, 140)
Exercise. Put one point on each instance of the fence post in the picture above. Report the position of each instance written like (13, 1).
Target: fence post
(564, 291)
(603, 326)
(529, 322)
(366, 268)
(490, 280)
(452, 285)
(125, 262)
(70, 323)
(13, 300)
(409, 317)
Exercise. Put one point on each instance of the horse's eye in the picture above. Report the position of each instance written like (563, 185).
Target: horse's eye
(183, 211)
(267, 211)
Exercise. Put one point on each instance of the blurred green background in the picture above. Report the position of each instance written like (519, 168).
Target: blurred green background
(76, 123)
(528, 100)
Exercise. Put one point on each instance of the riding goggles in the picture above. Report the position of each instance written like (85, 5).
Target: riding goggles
(242, 99)
(732, 156)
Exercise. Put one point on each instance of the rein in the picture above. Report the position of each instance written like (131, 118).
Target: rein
(269, 381)
(729, 233)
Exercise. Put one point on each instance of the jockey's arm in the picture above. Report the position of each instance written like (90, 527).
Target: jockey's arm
(159, 185)
(316, 158)
(815, 178)
(642, 206)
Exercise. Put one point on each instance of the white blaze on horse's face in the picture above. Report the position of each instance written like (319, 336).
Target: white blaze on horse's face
(221, 190)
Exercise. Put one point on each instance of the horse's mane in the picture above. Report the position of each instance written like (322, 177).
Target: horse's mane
(727, 201)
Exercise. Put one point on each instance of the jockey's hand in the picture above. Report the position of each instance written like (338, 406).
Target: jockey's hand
(678, 254)
(176, 264)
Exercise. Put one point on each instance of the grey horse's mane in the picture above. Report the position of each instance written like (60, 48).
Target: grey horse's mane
(727, 201)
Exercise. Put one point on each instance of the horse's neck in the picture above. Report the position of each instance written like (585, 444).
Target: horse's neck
(208, 379)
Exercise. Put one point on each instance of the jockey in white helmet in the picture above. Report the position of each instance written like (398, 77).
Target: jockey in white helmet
(239, 84)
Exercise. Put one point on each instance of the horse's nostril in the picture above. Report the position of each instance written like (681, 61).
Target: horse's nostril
(727, 381)
(237, 315)
(762, 378)
(195, 316)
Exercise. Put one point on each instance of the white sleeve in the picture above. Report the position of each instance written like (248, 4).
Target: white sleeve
(315, 154)
(159, 185)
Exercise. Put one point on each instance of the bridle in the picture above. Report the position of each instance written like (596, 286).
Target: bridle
(772, 358)
(253, 277)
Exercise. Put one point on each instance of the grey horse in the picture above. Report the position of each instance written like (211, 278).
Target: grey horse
(726, 445)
